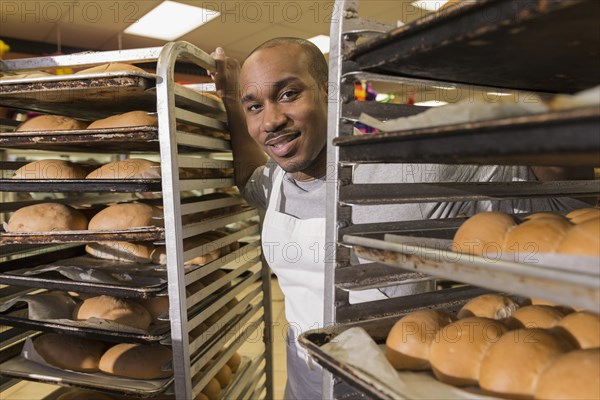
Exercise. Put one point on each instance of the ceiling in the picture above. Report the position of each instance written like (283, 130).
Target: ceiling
(242, 25)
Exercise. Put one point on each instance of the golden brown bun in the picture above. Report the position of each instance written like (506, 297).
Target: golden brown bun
(201, 396)
(80, 394)
(512, 365)
(458, 348)
(536, 236)
(582, 239)
(126, 120)
(224, 376)
(138, 252)
(113, 309)
(583, 214)
(137, 361)
(125, 216)
(407, 344)
(483, 233)
(156, 306)
(536, 316)
(572, 376)
(212, 390)
(110, 67)
(494, 306)
(50, 169)
(51, 123)
(544, 215)
(46, 217)
(133, 168)
(159, 255)
(234, 362)
(69, 352)
(584, 327)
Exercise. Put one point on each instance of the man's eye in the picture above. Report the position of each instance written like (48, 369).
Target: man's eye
(289, 94)
(253, 107)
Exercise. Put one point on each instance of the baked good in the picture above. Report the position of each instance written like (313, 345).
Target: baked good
(81, 394)
(137, 252)
(583, 214)
(483, 233)
(539, 215)
(51, 123)
(536, 316)
(46, 217)
(583, 326)
(113, 309)
(69, 352)
(224, 376)
(572, 376)
(512, 365)
(50, 169)
(125, 216)
(156, 306)
(212, 390)
(234, 362)
(582, 239)
(540, 235)
(138, 361)
(407, 343)
(201, 396)
(458, 348)
(110, 67)
(132, 168)
(159, 255)
(126, 120)
(494, 306)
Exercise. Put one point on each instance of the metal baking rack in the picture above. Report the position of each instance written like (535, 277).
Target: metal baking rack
(103, 94)
(141, 234)
(461, 48)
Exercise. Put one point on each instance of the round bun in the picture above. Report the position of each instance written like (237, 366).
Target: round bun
(110, 67)
(536, 316)
(126, 120)
(582, 239)
(125, 216)
(408, 342)
(50, 169)
(512, 365)
(69, 352)
(51, 123)
(113, 309)
(583, 214)
(80, 394)
(483, 233)
(584, 327)
(234, 362)
(159, 255)
(138, 361)
(540, 235)
(494, 306)
(572, 376)
(138, 252)
(156, 306)
(46, 217)
(459, 347)
(212, 390)
(201, 396)
(224, 376)
(133, 168)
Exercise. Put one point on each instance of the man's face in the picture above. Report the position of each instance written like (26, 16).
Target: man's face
(286, 110)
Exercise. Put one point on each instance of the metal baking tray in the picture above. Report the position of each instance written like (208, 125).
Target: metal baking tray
(80, 185)
(575, 282)
(86, 96)
(550, 45)
(141, 234)
(558, 138)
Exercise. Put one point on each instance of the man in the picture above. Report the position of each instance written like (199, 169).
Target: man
(279, 107)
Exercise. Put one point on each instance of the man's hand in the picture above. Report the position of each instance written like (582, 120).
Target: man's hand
(226, 76)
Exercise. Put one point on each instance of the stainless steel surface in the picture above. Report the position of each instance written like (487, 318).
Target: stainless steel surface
(141, 234)
(79, 185)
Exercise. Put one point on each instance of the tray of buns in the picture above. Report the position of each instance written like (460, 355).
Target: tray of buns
(139, 234)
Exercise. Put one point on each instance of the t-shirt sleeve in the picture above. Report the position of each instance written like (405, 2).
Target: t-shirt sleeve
(258, 188)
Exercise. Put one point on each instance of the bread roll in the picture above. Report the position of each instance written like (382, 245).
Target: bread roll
(69, 352)
(132, 168)
(159, 255)
(46, 217)
(125, 216)
(113, 309)
(110, 67)
(494, 306)
(51, 123)
(572, 376)
(224, 376)
(138, 361)
(458, 348)
(408, 342)
(582, 239)
(512, 365)
(536, 316)
(541, 235)
(158, 307)
(212, 390)
(201, 396)
(483, 233)
(583, 214)
(50, 169)
(80, 394)
(126, 120)
(234, 362)
(584, 327)
(138, 252)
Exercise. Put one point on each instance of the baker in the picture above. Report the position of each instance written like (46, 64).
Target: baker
(277, 104)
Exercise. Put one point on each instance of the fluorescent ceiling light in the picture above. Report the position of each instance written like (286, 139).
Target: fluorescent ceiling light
(171, 20)
(322, 42)
(429, 5)
(431, 103)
